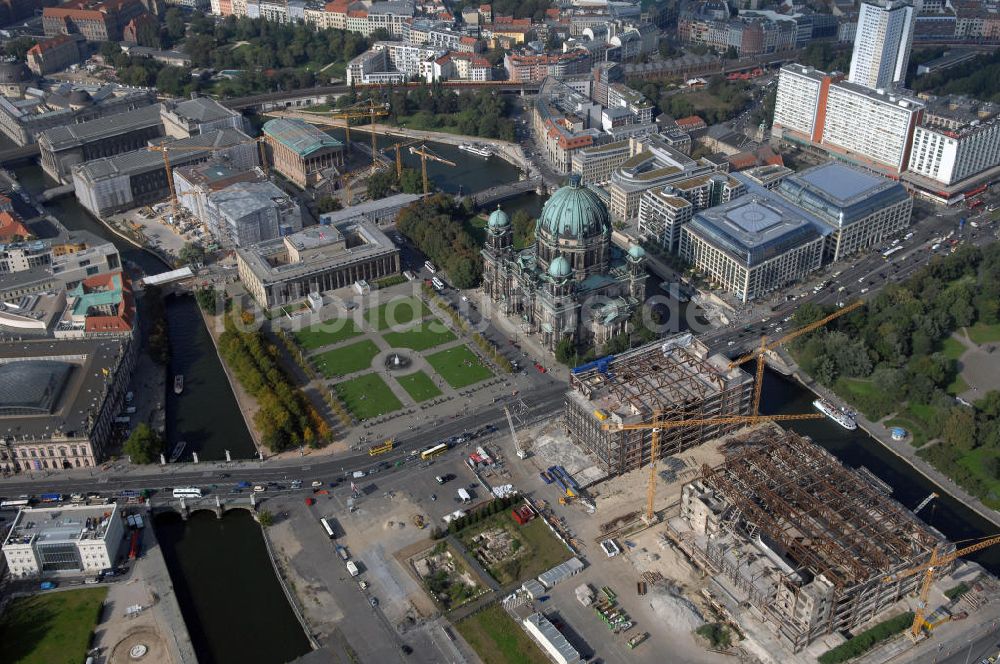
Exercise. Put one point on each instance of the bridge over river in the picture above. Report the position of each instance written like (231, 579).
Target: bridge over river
(505, 191)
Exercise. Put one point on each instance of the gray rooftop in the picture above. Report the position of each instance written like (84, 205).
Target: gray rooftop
(141, 161)
(73, 135)
(66, 523)
(244, 198)
(753, 229)
(201, 109)
(370, 241)
(370, 209)
(554, 637)
(73, 411)
(838, 194)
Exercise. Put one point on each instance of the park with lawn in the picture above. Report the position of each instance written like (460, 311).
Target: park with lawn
(345, 360)
(51, 628)
(327, 333)
(419, 386)
(459, 367)
(426, 334)
(497, 639)
(367, 396)
(397, 312)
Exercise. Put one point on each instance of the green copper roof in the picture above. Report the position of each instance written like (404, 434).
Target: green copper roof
(636, 252)
(574, 212)
(89, 299)
(560, 268)
(498, 219)
(299, 135)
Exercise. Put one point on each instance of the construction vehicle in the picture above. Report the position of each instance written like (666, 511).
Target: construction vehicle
(425, 153)
(418, 521)
(657, 424)
(521, 452)
(928, 569)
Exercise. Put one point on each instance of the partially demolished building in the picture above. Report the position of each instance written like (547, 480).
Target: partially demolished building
(670, 379)
(808, 543)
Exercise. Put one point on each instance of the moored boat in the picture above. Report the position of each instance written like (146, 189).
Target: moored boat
(842, 418)
(178, 384)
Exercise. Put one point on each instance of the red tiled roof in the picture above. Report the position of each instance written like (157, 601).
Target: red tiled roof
(11, 227)
(48, 44)
(691, 121)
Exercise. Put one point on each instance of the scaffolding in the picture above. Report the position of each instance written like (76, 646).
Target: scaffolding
(826, 537)
(675, 379)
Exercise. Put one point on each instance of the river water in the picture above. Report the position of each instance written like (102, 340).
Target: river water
(220, 568)
(232, 602)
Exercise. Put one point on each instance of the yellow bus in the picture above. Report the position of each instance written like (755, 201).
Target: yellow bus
(436, 450)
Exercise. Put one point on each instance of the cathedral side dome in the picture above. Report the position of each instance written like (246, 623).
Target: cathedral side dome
(560, 268)
(574, 212)
(636, 252)
(498, 219)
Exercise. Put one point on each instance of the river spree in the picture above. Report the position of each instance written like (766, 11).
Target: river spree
(857, 448)
(232, 603)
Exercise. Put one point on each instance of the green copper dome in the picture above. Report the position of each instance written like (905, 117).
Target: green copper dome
(636, 252)
(574, 213)
(498, 219)
(560, 268)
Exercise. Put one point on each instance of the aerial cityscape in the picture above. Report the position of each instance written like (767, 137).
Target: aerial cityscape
(506, 332)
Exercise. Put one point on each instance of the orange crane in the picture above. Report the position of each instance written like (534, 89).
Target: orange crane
(370, 111)
(766, 346)
(658, 426)
(399, 159)
(928, 569)
(754, 418)
(166, 148)
(425, 153)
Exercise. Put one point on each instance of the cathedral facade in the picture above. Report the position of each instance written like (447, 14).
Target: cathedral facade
(572, 283)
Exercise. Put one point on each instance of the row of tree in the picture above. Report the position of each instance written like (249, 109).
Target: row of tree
(435, 227)
(895, 345)
(728, 99)
(384, 183)
(286, 419)
(158, 335)
(978, 78)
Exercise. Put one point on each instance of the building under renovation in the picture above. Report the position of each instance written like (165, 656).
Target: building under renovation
(673, 379)
(784, 528)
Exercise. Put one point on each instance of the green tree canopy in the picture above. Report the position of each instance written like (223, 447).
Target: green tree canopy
(144, 445)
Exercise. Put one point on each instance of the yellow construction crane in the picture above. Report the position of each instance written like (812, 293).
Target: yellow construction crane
(928, 569)
(424, 152)
(166, 148)
(399, 159)
(658, 426)
(766, 346)
(369, 111)
(754, 418)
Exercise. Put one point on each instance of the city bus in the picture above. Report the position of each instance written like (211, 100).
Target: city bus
(20, 502)
(433, 451)
(327, 528)
(187, 492)
(430, 267)
(438, 284)
(889, 252)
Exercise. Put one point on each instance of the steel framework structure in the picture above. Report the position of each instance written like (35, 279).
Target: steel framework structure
(824, 515)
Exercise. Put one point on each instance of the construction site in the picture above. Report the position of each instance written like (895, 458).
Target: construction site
(673, 379)
(812, 545)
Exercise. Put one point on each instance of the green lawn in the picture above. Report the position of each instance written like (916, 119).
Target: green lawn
(917, 436)
(459, 366)
(957, 386)
(346, 359)
(538, 549)
(981, 333)
(53, 628)
(853, 388)
(952, 348)
(419, 386)
(367, 396)
(421, 336)
(979, 462)
(397, 311)
(497, 639)
(328, 332)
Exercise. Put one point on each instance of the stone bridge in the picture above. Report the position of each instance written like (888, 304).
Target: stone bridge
(211, 503)
(505, 191)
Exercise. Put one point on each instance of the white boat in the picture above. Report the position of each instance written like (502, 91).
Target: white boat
(178, 451)
(479, 150)
(836, 414)
(178, 384)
